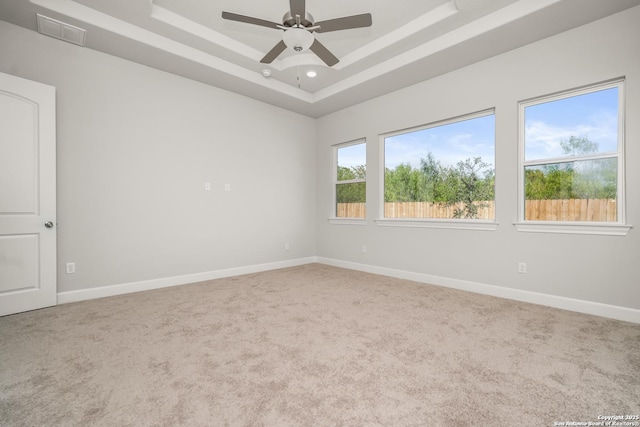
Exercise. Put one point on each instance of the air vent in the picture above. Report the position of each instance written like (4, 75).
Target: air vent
(60, 30)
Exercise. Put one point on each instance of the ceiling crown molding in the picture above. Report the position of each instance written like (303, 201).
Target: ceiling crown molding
(415, 41)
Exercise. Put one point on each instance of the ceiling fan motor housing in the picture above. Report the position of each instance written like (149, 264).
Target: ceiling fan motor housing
(289, 20)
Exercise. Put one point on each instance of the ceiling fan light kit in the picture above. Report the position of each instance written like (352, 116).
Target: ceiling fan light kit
(299, 26)
(298, 39)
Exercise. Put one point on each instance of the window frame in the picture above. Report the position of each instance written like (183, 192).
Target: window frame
(333, 218)
(442, 223)
(575, 227)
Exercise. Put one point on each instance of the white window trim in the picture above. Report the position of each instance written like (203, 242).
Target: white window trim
(333, 219)
(347, 221)
(610, 229)
(618, 228)
(456, 224)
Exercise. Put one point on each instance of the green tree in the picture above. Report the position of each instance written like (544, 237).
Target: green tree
(353, 172)
(471, 182)
(353, 192)
(441, 183)
(577, 146)
(582, 179)
(475, 189)
(404, 184)
(548, 182)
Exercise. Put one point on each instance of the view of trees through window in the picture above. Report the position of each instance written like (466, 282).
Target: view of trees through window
(442, 171)
(588, 179)
(570, 160)
(571, 157)
(351, 175)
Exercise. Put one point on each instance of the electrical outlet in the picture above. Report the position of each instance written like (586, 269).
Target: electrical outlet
(287, 246)
(227, 187)
(71, 267)
(364, 249)
(207, 186)
(522, 267)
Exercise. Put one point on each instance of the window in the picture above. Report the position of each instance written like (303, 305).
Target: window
(442, 171)
(350, 180)
(571, 163)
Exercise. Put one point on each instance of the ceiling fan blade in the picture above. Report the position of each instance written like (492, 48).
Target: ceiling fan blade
(345, 23)
(273, 53)
(298, 7)
(323, 53)
(249, 20)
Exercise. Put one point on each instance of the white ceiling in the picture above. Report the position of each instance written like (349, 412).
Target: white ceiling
(409, 41)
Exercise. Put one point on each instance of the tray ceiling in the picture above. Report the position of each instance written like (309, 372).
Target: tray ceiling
(409, 41)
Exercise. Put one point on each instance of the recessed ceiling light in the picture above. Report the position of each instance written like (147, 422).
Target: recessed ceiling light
(311, 73)
(266, 73)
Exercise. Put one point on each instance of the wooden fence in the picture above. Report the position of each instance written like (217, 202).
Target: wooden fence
(351, 210)
(432, 210)
(597, 210)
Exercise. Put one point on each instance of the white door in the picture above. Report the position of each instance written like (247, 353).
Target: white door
(27, 195)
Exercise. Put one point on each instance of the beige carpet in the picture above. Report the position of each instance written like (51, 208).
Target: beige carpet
(313, 345)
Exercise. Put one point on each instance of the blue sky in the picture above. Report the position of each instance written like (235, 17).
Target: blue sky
(593, 115)
(449, 143)
(352, 155)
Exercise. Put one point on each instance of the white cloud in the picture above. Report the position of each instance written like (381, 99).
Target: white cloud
(448, 151)
(543, 140)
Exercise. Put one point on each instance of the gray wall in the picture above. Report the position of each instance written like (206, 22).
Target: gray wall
(600, 269)
(135, 147)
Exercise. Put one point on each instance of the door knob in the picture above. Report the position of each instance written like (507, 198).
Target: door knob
(48, 224)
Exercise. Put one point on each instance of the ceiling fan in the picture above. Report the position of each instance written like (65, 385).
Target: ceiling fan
(299, 26)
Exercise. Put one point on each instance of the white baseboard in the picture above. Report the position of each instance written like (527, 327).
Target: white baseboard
(146, 285)
(588, 307)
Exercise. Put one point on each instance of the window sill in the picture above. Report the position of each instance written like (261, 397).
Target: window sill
(348, 221)
(573, 228)
(459, 224)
